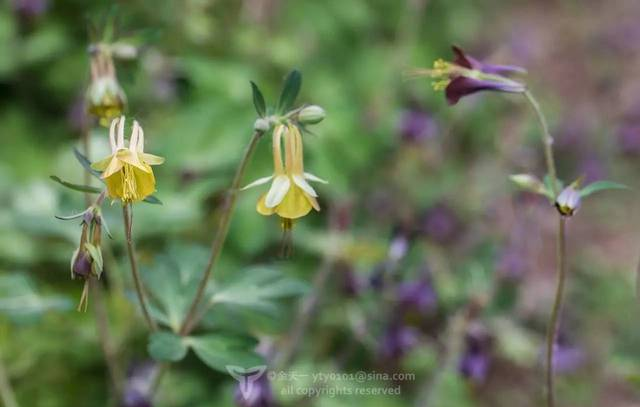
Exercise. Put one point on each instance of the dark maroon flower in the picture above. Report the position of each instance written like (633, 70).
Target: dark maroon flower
(259, 395)
(476, 359)
(416, 126)
(467, 75)
(397, 340)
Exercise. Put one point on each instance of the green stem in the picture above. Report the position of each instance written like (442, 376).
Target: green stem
(7, 395)
(547, 141)
(126, 214)
(221, 234)
(552, 331)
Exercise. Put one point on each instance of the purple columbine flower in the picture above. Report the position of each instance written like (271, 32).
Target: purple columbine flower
(417, 295)
(416, 125)
(467, 75)
(476, 360)
(259, 395)
(397, 340)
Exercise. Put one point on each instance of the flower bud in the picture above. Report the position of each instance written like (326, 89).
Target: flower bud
(568, 201)
(80, 264)
(105, 99)
(123, 50)
(261, 124)
(311, 114)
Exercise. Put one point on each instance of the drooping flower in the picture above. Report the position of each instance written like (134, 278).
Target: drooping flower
(290, 196)
(467, 75)
(127, 171)
(568, 202)
(105, 98)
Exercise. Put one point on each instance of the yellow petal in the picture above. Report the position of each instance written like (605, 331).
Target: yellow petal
(115, 185)
(114, 166)
(151, 159)
(102, 164)
(314, 202)
(294, 205)
(145, 183)
(130, 157)
(261, 207)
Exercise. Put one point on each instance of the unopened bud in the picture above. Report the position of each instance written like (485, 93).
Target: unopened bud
(80, 264)
(568, 201)
(311, 114)
(261, 124)
(105, 99)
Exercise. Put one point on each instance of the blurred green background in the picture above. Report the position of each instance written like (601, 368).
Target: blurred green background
(419, 223)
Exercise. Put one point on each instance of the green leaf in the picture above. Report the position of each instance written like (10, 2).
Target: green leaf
(86, 164)
(172, 281)
(219, 351)
(548, 183)
(167, 347)
(152, 199)
(258, 288)
(258, 100)
(600, 186)
(76, 187)
(290, 91)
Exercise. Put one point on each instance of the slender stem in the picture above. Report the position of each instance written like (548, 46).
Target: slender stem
(126, 214)
(305, 313)
(108, 348)
(7, 395)
(547, 141)
(221, 234)
(552, 331)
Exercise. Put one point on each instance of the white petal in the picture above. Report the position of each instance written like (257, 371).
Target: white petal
(121, 133)
(259, 181)
(312, 177)
(140, 138)
(278, 190)
(112, 136)
(304, 185)
(133, 141)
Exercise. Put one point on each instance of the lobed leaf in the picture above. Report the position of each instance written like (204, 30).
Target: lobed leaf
(167, 347)
(219, 351)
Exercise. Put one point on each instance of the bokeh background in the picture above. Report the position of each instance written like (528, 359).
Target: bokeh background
(424, 260)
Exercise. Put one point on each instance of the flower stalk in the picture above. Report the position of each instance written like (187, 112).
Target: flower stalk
(142, 297)
(552, 329)
(221, 234)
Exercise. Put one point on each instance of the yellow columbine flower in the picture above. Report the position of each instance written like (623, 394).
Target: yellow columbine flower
(290, 196)
(127, 171)
(105, 98)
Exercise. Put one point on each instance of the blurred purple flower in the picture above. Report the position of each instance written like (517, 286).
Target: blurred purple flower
(629, 138)
(416, 126)
(566, 358)
(440, 223)
(512, 264)
(260, 394)
(352, 284)
(417, 295)
(591, 167)
(30, 8)
(376, 280)
(397, 340)
(476, 359)
(398, 247)
(137, 389)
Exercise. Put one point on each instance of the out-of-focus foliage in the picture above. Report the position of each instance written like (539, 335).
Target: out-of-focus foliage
(419, 223)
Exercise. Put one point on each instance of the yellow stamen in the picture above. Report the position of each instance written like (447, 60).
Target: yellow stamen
(129, 186)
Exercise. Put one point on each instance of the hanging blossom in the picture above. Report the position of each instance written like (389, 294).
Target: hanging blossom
(467, 75)
(290, 196)
(127, 171)
(105, 98)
